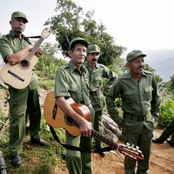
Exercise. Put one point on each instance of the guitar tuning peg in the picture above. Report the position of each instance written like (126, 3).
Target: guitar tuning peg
(132, 146)
(127, 144)
(137, 148)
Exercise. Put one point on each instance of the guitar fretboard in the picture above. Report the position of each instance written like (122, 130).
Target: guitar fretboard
(98, 136)
(35, 49)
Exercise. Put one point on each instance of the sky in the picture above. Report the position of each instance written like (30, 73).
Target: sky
(134, 24)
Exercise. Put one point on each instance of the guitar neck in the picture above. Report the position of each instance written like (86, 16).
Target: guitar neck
(105, 140)
(35, 49)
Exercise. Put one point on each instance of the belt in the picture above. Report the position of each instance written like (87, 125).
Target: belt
(134, 117)
(94, 93)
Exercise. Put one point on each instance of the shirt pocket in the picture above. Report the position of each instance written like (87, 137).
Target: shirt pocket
(130, 96)
(97, 81)
(74, 92)
(148, 93)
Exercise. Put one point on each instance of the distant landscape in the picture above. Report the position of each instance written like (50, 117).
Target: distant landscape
(162, 61)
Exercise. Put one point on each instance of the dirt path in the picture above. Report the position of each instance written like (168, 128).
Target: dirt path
(162, 161)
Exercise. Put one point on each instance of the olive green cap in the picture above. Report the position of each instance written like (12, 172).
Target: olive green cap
(18, 14)
(93, 48)
(134, 54)
(78, 40)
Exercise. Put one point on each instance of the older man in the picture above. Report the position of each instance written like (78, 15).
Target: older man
(72, 82)
(140, 105)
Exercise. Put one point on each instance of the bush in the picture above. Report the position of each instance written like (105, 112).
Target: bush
(166, 112)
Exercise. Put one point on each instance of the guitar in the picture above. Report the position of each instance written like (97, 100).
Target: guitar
(19, 75)
(56, 118)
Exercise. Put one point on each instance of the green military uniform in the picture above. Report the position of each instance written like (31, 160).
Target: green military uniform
(96, 76)
(70, 83)
(140, 105)
(168, 131)
(21, 99)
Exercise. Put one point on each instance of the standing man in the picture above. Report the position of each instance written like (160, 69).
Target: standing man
(140, 106)
(13, 47)
(169, 131)
(72, 82)
(97, 73)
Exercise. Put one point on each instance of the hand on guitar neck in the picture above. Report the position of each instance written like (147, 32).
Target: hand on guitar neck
(84, 125)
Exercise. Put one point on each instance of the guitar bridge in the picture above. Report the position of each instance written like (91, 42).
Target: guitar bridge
(16, 76)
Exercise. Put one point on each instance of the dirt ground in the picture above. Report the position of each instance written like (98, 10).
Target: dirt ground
(161, 161)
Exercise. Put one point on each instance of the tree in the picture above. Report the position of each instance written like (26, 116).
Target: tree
(48, 63)
(71, 22)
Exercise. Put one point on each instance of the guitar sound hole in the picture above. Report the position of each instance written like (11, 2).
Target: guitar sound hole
(70, 121)
(24, 63)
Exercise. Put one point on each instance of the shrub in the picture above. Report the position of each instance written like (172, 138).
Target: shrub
(166, 112)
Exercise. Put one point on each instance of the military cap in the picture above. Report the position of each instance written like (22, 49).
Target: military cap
(78, 40)
(18, 14)
(134, 54)
(93, 48)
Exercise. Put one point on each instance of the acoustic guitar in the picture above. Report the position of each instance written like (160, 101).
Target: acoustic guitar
(19, 75)
(56, 118)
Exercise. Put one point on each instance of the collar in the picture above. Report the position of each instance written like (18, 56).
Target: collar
(14, 35)
(74, 68)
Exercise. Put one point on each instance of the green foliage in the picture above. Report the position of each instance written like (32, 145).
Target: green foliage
(35, 159)
(48, 63)
(166, 112)
(71, 22)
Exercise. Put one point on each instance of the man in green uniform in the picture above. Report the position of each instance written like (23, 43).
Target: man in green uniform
(140, 105)
(72, 82)
(13, 47)
(166, 134)
(97, 74)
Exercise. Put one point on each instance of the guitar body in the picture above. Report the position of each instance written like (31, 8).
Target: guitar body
(56, 118)
(18, 76)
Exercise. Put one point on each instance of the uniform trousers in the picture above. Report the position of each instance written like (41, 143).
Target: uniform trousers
(98, 125)
(168, 131)
(137, 134)
(79, 162)
(20, 101)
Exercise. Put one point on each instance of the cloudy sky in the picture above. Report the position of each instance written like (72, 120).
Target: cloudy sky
(135, 24)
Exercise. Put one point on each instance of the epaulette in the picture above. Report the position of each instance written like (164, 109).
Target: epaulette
(124, 76)
(4, 36)
(147, 72)
(63, 67)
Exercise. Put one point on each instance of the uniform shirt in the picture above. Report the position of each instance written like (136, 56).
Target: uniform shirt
(11, 43)
(96, 77)
(70, 82)
(138, 98)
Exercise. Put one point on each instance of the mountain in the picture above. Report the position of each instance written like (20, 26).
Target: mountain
(162, 61)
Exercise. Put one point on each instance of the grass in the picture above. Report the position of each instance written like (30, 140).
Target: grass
(35, 159)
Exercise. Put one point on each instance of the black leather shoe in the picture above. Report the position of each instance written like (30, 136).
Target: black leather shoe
(102, 154)
(157, 140)
(170, 142)
(16, 160)
(40, 142)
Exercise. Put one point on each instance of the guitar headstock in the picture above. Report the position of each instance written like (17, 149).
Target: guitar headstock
(131, 151)
(46, 32)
